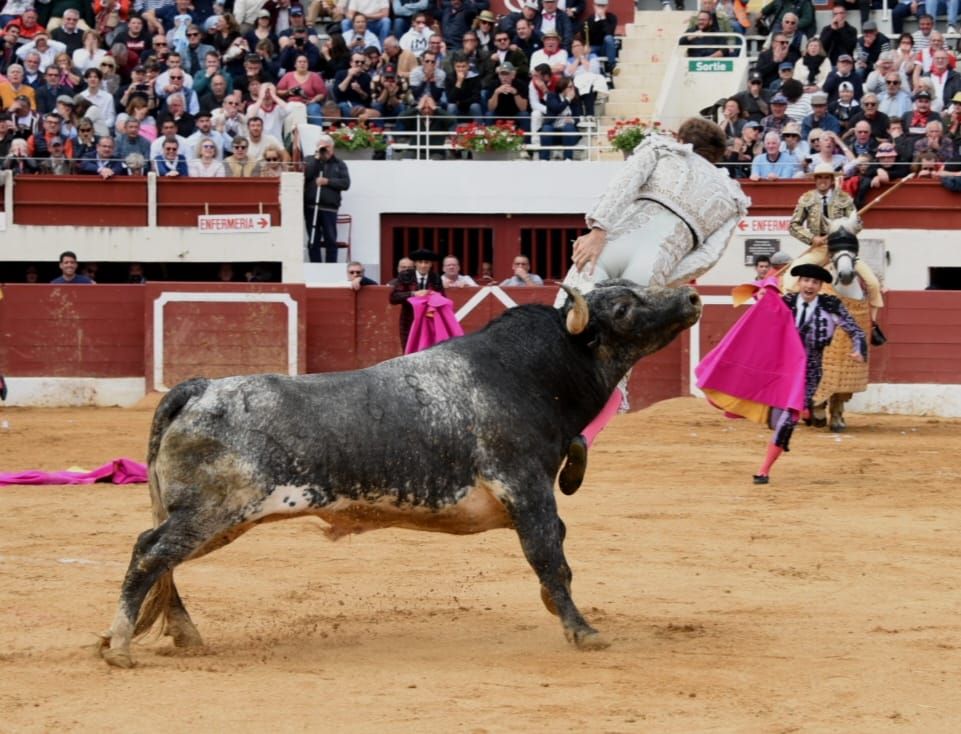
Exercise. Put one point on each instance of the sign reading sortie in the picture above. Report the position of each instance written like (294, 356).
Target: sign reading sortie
(233, 223)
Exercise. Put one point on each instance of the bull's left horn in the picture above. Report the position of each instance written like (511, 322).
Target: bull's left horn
(579, 315)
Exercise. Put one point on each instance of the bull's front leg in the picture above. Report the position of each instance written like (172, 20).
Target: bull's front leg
(541, 533)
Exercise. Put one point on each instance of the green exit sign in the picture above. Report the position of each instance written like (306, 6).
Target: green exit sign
(710, 65)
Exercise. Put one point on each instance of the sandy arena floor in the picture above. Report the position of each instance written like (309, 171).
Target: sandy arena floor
(827, 601)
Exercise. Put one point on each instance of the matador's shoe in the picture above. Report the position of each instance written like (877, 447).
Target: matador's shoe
(572, 475)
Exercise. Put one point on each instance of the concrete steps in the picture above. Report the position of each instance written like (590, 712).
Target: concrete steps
(647, 45)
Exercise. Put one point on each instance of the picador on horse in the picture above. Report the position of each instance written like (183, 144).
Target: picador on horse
(826, 219)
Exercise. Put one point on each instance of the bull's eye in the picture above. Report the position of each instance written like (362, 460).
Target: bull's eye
(620, 311)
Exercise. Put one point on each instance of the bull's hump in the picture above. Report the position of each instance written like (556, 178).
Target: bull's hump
(478, 509)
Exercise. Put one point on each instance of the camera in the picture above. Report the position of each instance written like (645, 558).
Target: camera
(296, 92)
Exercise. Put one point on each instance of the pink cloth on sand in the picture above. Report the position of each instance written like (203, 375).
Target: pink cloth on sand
(118, 471)
(761, 358)
(434, 322)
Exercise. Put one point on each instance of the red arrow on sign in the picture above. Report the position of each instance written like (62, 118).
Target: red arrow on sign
(742, 225)
(262, 223)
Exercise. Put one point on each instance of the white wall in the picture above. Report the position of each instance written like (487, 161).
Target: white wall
(428, 187)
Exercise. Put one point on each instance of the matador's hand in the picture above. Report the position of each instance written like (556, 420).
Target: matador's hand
(587, 248)
(856, 356)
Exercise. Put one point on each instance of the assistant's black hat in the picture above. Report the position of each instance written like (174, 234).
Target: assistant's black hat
(423, 254)
(809, 270)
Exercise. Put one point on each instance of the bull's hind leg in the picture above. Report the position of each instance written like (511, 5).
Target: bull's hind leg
(541, 533)
(180, 626)
(156, 553)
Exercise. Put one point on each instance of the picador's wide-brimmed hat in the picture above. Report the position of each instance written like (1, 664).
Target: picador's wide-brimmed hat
(423, 254)
(823, 169)
(809, 270)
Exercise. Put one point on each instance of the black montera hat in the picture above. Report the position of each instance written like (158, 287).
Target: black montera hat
(809, 270)
(423, 254)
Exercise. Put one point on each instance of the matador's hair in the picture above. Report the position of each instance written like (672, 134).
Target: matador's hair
(707, 138)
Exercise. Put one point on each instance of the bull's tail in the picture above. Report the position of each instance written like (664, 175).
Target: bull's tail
(158, 600)
(156, 603)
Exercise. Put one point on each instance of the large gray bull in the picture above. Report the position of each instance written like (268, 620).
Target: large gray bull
(462, 438)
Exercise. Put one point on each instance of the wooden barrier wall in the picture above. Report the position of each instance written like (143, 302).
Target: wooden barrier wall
(106, 331)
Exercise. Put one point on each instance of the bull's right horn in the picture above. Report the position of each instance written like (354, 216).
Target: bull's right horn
(579, 315)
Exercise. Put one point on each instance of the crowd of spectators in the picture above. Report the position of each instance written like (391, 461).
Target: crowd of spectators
(874, 108)
(216, 87)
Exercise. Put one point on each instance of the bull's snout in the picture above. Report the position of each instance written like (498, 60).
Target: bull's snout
(691, 304)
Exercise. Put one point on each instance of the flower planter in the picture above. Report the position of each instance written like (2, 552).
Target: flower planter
(494, 155)
(361, 154)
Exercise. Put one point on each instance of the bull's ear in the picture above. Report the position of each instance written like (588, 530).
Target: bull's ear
(578, 315)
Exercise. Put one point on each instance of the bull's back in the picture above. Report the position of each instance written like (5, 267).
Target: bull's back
(388, 428)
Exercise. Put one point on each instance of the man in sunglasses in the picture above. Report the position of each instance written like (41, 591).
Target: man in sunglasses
(325, 178)
(356, 277)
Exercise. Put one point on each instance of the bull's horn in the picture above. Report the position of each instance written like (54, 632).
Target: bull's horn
(579, 315)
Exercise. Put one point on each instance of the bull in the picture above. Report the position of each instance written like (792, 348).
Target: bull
(462, 438)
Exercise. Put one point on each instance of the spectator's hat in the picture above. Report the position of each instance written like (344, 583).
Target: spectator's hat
(423, 254)
(22, 98)
(823, 169)
(846, 57)
(530, 4)
(506, 67)
(778, 99)
(819, 98)
(296, 10)
(751, 123)
(780, 258)
(550, 34)
(810, 270)
(922, 94)
(390, 72)
(792, 128)
(56, 141)
(66, 99)
(253, 58)
(886, 150)
(755, 76)
(785, 66)
(263, 14)
(956, 99)
(869, 25)
(140, 68)
(845, 87)
(487, 16)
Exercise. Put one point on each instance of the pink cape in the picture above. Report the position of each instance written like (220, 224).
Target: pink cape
(434, 321)
(118, 471)
(761, 358)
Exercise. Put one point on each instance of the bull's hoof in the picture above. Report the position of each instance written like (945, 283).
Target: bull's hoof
(837, 428)
(590, 639)
(572, 475)
(819, 422)
(119, 657)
